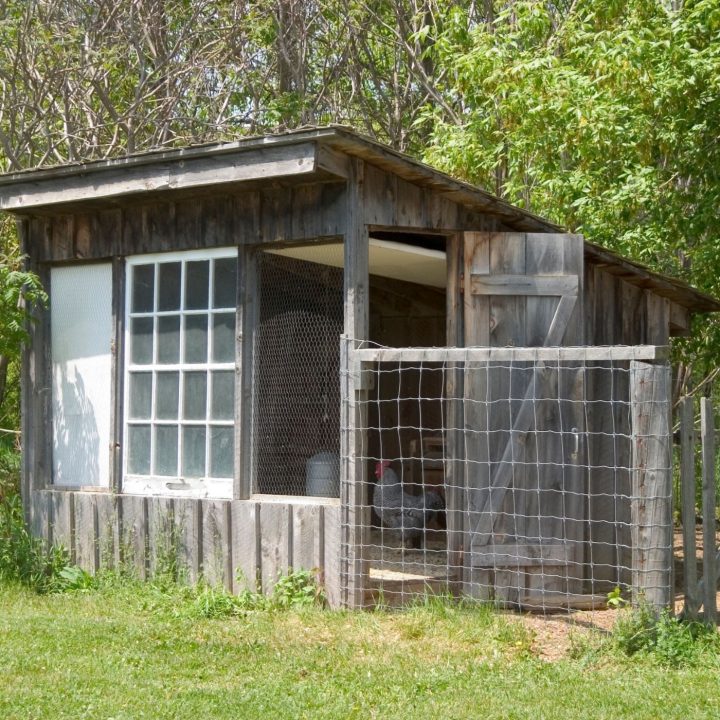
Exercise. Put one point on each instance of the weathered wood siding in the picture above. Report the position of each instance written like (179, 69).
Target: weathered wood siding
(616, 313)
(241, 544)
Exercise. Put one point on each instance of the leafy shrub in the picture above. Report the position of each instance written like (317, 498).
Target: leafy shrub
(298, 588)
(665, 638)
(24, 558)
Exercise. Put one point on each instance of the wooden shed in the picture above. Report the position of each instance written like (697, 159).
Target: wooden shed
(238, 333)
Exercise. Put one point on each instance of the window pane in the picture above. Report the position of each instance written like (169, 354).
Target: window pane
(140, 396)
(196, 285)
(195, 396)
(193, 453)
(141, 341)
(166, 447)
(168, 339)
(223, 337)
(223, 395)
(166, 396)
(221, 452)
(225, 285)
(139, 449)
(196, 339)
(169, 286)
(143, 286)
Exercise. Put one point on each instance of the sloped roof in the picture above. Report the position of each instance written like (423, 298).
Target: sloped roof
(297, 152)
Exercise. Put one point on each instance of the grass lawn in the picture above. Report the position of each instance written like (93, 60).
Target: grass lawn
(134, 652)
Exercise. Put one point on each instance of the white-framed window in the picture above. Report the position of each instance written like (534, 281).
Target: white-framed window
(180, 373)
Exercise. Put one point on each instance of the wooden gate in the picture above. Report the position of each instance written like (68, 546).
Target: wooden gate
(523, 424)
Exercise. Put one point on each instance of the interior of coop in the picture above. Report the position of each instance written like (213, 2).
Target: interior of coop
(407, 307)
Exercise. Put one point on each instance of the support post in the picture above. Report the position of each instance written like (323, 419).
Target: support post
(687, 495)
(353, 482)
(707, 423)
(651, 505)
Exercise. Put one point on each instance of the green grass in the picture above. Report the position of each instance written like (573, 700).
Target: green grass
(131, 651)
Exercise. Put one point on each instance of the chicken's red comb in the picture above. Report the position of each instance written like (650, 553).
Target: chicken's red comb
(380, 467)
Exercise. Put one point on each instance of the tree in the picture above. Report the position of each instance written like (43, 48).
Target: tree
(602, 116)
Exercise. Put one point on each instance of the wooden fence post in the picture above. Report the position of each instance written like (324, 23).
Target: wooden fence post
(687, 495)
(651, 504)
(707, 428)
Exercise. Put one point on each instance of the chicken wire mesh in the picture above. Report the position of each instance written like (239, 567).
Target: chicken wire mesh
(296, 402)
(536, 485)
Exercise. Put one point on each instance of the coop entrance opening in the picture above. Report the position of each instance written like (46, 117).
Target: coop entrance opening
(296, 371)
(407, 546)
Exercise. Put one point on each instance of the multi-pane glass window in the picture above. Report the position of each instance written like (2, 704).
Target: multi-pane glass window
(180, 372)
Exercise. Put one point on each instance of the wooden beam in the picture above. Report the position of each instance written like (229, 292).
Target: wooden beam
(687, 494)
(651, 503)
(176, 174)
(707, 429)
(523, 285)
(513, 354)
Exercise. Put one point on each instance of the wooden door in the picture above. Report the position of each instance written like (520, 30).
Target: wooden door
(523, 422)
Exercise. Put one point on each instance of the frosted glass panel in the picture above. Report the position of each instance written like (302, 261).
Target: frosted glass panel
(166, 447)
(193, 451)
(221, 451)
(197, 275)
(223, 395)
(223, 337)
(167, 394)
(81, 320)
(143, 288)
(141, 341)
(225, 285)
(196, 332)
(168, 339)
(139, 449)
(169, 286)
(195, 396)
(140, 396)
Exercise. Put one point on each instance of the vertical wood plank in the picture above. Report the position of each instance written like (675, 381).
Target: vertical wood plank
(707, 429)
(133, 530)
(107, 536)
(117, 372)
(188, 533)
(651, 505)
(332, 548)
(306, 544)
(62, 521)
(87, 549)
(454, 470)
(244, 546)
(274, 518)
(247, 316)
(162, 541)
(217, 543)
(353, 481)
(687, 495)
(40, 514)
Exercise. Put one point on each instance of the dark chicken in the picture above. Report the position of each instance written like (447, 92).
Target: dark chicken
(400, 511)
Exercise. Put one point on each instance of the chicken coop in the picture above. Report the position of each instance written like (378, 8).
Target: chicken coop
(307, 350)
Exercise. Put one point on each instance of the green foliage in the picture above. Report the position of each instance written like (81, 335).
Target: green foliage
(20, 292)
(664, 638)
(297, 589)
(26, 559)
(615, 598)
(602, 117)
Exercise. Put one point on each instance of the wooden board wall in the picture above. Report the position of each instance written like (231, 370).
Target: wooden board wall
(616, 313)
(240, 544)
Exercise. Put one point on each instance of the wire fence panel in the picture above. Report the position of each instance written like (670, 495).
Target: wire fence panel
(539, 485)
(296, 403)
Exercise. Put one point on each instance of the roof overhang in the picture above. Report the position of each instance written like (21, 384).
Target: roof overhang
(306, 154)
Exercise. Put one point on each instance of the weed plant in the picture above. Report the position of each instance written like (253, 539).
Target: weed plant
(664, 638)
